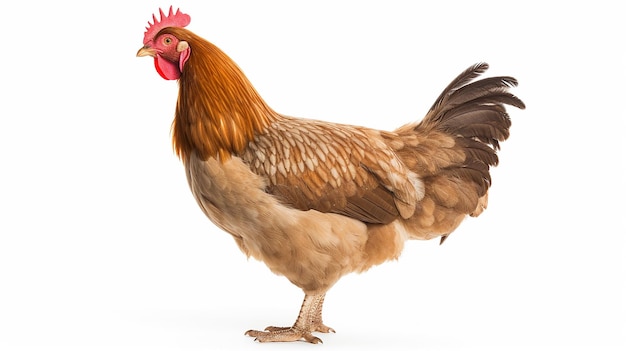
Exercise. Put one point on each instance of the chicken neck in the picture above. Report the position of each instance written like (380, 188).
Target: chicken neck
(218, 110)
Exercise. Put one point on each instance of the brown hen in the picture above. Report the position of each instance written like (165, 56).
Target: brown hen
(315, 200)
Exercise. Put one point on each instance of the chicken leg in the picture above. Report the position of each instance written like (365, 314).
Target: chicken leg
(309, 320)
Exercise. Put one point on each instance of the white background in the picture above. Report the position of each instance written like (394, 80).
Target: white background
(102, 246)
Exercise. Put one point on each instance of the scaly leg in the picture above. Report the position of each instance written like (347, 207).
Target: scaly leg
(309, 320)
(317, 320)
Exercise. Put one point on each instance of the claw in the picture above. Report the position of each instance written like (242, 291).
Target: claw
(324, 329)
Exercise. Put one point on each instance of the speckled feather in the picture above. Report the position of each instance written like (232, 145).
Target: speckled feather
(334, 168)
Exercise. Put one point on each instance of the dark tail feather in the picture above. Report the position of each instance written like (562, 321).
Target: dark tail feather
(474, 110)
(479, 104)
(475, 114)
(460, 81)
(443, 238)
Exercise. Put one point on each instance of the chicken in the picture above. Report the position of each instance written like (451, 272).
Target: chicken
(315, 200)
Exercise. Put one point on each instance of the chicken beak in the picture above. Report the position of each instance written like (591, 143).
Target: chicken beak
(146, 51)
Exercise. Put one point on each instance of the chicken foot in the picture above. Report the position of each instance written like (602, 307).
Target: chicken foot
(309, 320)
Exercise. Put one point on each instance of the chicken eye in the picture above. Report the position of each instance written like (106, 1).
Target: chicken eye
(167, 40)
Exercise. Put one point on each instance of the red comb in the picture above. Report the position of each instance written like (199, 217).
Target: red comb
(177, 19)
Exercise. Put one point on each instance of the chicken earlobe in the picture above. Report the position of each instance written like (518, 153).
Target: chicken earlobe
(309, 320)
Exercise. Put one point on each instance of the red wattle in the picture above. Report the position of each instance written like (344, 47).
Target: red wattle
(166, 69)
(158, 69)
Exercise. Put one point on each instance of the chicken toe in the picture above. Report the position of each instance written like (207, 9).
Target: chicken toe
(323, 329)
(283, 334)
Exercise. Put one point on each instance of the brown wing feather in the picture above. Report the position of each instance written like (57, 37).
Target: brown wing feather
(333, 168)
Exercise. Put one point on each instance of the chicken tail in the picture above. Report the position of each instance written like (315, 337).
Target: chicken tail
(453, 147)
(475, 114)
(474, 110)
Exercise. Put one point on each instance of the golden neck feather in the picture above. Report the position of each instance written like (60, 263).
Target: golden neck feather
(218, 110)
